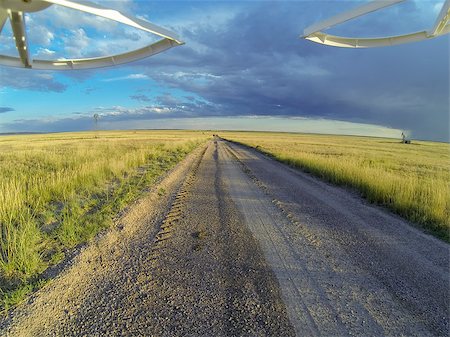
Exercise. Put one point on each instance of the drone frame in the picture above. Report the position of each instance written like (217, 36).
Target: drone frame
(315, 32)
(17, 19)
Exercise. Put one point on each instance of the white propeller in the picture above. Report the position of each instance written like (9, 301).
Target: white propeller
(18, 27)
(112, 14)
(314, 32)
(14, 10)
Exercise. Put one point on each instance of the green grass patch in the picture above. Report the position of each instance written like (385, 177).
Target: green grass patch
(60, 190)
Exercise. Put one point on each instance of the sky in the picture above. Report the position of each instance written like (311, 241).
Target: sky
(243, 67)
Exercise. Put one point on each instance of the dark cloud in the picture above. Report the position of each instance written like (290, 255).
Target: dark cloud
(113, 115)
(141, 98)
(78, 123)
(256, 64)
(30, 80)
(169, 100)
(166, 106)
(90, 90)
(4, 109)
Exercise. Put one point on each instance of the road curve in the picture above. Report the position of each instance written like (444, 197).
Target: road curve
(242, 245)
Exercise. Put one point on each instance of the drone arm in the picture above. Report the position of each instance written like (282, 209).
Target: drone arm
(349, 42)
(99, 62)
(442, 20)
(20, 36)
(362, 10)
(314, 33)
(114, 15)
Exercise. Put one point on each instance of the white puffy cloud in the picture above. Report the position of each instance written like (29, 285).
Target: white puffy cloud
(127, 77)
(76, 43)
(44, 53)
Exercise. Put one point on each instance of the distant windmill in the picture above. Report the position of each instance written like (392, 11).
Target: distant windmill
(405, 139)
(96, 118)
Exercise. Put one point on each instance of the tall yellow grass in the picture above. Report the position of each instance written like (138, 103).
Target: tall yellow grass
(58, 190)
(412, 180)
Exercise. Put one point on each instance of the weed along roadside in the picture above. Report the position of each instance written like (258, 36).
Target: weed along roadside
(58, 191)
(411, 180)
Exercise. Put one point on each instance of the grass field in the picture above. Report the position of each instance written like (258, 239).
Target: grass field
(411, 180)
(59, 190)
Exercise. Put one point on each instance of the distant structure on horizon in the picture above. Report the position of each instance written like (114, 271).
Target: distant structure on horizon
(96, 118)
(405, 139)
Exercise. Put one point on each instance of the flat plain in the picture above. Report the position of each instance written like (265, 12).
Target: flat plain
(212, 237)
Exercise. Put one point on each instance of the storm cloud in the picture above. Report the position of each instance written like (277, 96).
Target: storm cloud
(250, 61)
(255, 64)
(43, 81)
(5, 109)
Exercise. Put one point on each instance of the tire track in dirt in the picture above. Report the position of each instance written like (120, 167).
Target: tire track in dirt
(127, 302)
(177, 208)
(253, 296)
(193, 269)
(304, 298)
(359, 269)
(54, 308)
(211, 276)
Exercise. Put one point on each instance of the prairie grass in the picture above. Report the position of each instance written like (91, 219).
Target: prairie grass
(411, 180)
(59, 190)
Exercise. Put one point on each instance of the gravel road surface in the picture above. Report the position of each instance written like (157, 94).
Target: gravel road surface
(241, 245)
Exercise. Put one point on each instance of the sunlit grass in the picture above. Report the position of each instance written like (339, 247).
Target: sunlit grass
(59, 190)
(412, 180)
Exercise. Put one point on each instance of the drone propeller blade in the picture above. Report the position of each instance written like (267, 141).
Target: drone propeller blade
(20, 36)
(114, 15)
(3, 17)
(442, 19)
(340, 18)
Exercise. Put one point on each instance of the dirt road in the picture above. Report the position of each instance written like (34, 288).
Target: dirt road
(240, 245)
